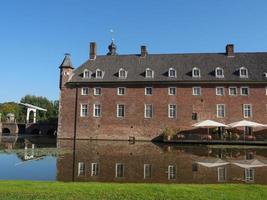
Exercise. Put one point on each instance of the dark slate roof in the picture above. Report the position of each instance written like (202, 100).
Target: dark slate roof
(256, 63)
(66, 61)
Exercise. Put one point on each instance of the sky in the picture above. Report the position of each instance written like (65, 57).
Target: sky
(35, 34)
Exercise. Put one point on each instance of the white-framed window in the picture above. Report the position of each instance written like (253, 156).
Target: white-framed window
(84, 91)
(249, 174)
(120, 110)
(232, 91)
(220, 110)
(81, 168)
(219, 72)
(247, 110)
(172, 90)
(196, 72)
(148, 91)
(95, 169)
(244, 91)
(171, 172)
(84, 110)
(97, 110)
(148, 111)
(172, 73)
(66, 73)
(99, 74)
(172, 111)
(243, 72)
(149, 73)
(222, 174)
(123, 73)
(219, 91)
(196, 91)
(86, 74)
(97, 91)
(147, 171)
(119, 170)
(121, 91)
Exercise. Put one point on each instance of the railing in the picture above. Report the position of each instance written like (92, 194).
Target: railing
(218, 138)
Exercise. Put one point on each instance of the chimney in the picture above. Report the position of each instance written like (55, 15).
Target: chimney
(92, 50)
(143, 51)
(230, 50)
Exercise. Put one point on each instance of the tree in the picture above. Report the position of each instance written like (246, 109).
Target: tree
(11, 107)
(43, 102)
(20, 111)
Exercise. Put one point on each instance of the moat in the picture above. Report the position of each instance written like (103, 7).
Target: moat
(46, 158)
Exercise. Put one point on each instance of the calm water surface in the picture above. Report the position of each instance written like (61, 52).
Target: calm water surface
(103, 161)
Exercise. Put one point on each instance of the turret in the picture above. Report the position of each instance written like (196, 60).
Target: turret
(66, 69)
(112, 49)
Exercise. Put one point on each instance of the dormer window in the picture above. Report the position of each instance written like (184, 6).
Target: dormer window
(196, 72)
(243, 72)
(122, 73)
(172, 73)
(99, 74)
(149, 73)
(219, 72)
(86, 74)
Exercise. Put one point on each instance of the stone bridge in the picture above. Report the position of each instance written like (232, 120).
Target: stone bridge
(9, 129)
(48, 128)
(41, 128)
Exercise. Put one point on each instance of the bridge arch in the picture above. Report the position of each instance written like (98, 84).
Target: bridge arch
(51, 132)
(6, 131)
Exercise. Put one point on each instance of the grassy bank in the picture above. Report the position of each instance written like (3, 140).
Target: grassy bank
(66, 191)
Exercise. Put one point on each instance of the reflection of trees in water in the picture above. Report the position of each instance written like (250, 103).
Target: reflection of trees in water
(37, 147)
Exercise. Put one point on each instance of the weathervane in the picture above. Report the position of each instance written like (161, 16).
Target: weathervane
(112, 34)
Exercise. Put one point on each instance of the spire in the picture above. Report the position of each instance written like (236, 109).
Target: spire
(66, 62)
(112, 49)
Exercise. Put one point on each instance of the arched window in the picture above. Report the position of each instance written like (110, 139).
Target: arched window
(243, 72)
(86, 73)
(172, 73)
(219, 72)
(99, 74)
(149, 73)
(122, 73)
(196, 72)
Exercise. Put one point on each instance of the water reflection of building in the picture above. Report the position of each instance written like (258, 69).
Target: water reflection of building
(147, 162)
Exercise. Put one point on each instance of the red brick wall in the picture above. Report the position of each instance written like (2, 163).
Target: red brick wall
(108, 126)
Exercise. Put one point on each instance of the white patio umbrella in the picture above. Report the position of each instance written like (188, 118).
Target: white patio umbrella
(244, 123)
(249, 163)
(213, 162)
(209, 124)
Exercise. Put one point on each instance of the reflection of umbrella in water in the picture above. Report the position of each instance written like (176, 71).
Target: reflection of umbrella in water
(249, 163)
(213, 162)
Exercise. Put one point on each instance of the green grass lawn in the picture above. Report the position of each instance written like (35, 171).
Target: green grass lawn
(66, 191)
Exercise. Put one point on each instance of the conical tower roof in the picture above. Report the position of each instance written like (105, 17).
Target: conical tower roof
(66, 63)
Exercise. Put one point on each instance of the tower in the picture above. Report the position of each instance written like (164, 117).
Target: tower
(65, 70)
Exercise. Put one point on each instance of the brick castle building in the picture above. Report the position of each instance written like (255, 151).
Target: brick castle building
(120, 96)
